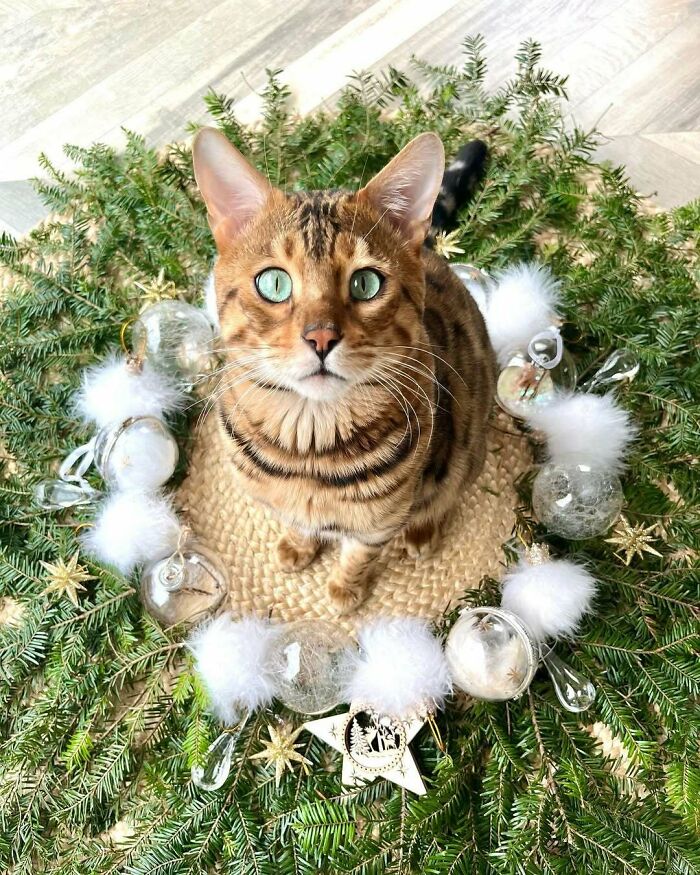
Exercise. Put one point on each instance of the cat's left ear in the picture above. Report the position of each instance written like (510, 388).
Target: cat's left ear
(406, 189)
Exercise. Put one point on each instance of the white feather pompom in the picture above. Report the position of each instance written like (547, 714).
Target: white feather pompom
(550, 598)
(586, 429)
(400, 669)
(210, 306)
(112, 392)
(232, 659)
(132, 527)
(522, 303)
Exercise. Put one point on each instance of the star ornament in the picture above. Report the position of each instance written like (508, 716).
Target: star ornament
(446, 244)
(373, 746)
(632, 540)
(66, 578)
(281, 750)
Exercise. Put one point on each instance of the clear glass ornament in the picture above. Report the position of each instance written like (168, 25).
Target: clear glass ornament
(176, 338)
(491, 654)
(213, 772)
(137, 453)
(575, 692)
(529, 381)
(621, 366)
(60, 494)
(311, 662)
(576, 501)
(478, 282)
(184, 587)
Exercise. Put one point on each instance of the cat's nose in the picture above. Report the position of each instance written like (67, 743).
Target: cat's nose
(322, 338)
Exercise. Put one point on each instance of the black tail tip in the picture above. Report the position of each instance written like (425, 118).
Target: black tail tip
(461, 178)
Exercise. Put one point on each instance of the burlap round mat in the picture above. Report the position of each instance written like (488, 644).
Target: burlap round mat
(244, 534)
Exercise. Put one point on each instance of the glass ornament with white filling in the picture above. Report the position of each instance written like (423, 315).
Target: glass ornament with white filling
(478, 283)
(576, 500)
(491, 654)
(311, 662)
(532, 378)
(185, 587)
(175, 338)
(139, 453)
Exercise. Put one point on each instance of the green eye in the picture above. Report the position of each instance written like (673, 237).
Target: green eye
(364, 284)
(274, 284)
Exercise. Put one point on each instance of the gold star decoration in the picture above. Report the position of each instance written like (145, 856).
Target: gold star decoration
(66, 578)
(158, 289)
(281, 751)
(446, 244)
(632, 540)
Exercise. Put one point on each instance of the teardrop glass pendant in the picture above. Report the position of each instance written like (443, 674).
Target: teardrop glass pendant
(575, 692)
(215, 769)
(213, 773)
(59, 494)
(619, 367)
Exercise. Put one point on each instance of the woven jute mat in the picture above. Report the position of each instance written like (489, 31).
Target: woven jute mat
(244, 534)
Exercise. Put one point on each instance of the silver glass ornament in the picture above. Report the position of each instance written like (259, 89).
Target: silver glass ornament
(532, 378)
(213, 772)
(176, 338)
(137, 453)
(311, 662)
(576, 501)
(621, 366)
(491, 654)
(184, 587)
(575, 692)
(478, 283)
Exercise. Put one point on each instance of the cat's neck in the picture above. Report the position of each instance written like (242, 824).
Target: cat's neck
(300, 424)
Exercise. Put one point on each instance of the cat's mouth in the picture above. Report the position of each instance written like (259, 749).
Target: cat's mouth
(322, 374)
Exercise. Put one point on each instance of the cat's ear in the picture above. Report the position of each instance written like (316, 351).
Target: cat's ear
(233, 190)
(406, 189)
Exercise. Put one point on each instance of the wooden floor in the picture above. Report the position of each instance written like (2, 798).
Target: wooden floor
(79, 70)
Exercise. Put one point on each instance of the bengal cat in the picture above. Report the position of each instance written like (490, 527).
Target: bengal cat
(358, 374)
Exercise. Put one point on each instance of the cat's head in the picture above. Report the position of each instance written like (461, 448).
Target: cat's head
(318, 291)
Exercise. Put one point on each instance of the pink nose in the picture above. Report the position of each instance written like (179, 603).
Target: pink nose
(322, 339)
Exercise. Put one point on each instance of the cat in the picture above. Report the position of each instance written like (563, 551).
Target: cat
(358, 375)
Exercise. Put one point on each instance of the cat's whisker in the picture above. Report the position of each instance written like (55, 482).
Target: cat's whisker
(431, 406)
(398, 396)
(422, 371)
(430, 351)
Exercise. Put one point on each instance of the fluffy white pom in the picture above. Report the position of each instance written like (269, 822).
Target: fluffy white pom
(523, 303)
(210, 307)
(232, 659)
(585, 428)
(550, 598)
(111, 392)
(400, 669)
(132, 527)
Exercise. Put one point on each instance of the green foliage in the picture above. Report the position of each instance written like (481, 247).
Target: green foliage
(101, 718)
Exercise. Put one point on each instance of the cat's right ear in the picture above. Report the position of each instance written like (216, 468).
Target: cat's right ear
(233, 190)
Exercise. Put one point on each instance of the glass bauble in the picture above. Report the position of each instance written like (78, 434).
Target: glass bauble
(184, 587)
(523, 385)
(576, 501)
(139, 453)
(176, 338)
(311, 663)
(478, 283)
(491, 655)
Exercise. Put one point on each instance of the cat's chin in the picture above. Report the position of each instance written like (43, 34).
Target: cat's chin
(321, 387)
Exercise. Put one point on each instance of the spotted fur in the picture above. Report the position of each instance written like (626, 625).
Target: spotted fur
(387, 446)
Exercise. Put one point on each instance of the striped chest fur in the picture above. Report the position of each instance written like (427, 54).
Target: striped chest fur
(358, 374)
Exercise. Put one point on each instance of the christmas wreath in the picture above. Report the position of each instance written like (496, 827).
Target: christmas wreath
(107, 714)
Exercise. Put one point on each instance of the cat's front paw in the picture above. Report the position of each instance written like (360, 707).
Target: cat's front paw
(295, 552)
(346, 598)
(422, 541)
